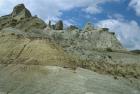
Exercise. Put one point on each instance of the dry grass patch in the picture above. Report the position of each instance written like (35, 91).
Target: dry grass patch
(122, 70)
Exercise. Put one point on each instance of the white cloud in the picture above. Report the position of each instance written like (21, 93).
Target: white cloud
(53, 8)
(135, 4)
(116, 16)
(1, 2)
(127, 31)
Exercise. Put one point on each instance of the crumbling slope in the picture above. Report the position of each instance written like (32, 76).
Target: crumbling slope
(16, 48)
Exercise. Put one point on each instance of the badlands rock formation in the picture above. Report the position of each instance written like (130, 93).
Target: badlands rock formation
(59, 25)
(22, 19)
(40, 58)
(92, 44)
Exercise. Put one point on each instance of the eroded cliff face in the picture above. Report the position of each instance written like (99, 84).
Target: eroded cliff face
(88, 38)
(39, 60)
(92, 44)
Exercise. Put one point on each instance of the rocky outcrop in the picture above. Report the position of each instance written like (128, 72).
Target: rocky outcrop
(88, 61)
(88, 27)
(88, 40)
(39, 66)
(20, 12)
(22, 19)
(49, 27)
(72, 28)
(59, 25)
(96, 46)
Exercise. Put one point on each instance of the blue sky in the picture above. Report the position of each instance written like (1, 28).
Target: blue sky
(121, 16)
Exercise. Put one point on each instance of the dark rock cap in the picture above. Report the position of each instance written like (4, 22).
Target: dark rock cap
(21, 11)
(19, 7)
(59, 25)
(22, 19)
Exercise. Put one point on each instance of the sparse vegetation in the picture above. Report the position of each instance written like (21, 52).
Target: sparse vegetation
(109, 49)
(120, 70)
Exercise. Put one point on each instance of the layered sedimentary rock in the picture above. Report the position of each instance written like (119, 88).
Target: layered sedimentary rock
(96, 45)
(91, 39)
(63, 61)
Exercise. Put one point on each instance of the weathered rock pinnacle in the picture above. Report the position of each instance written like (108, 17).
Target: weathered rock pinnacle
(20, 12)
(59, 25)
(88, 27)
